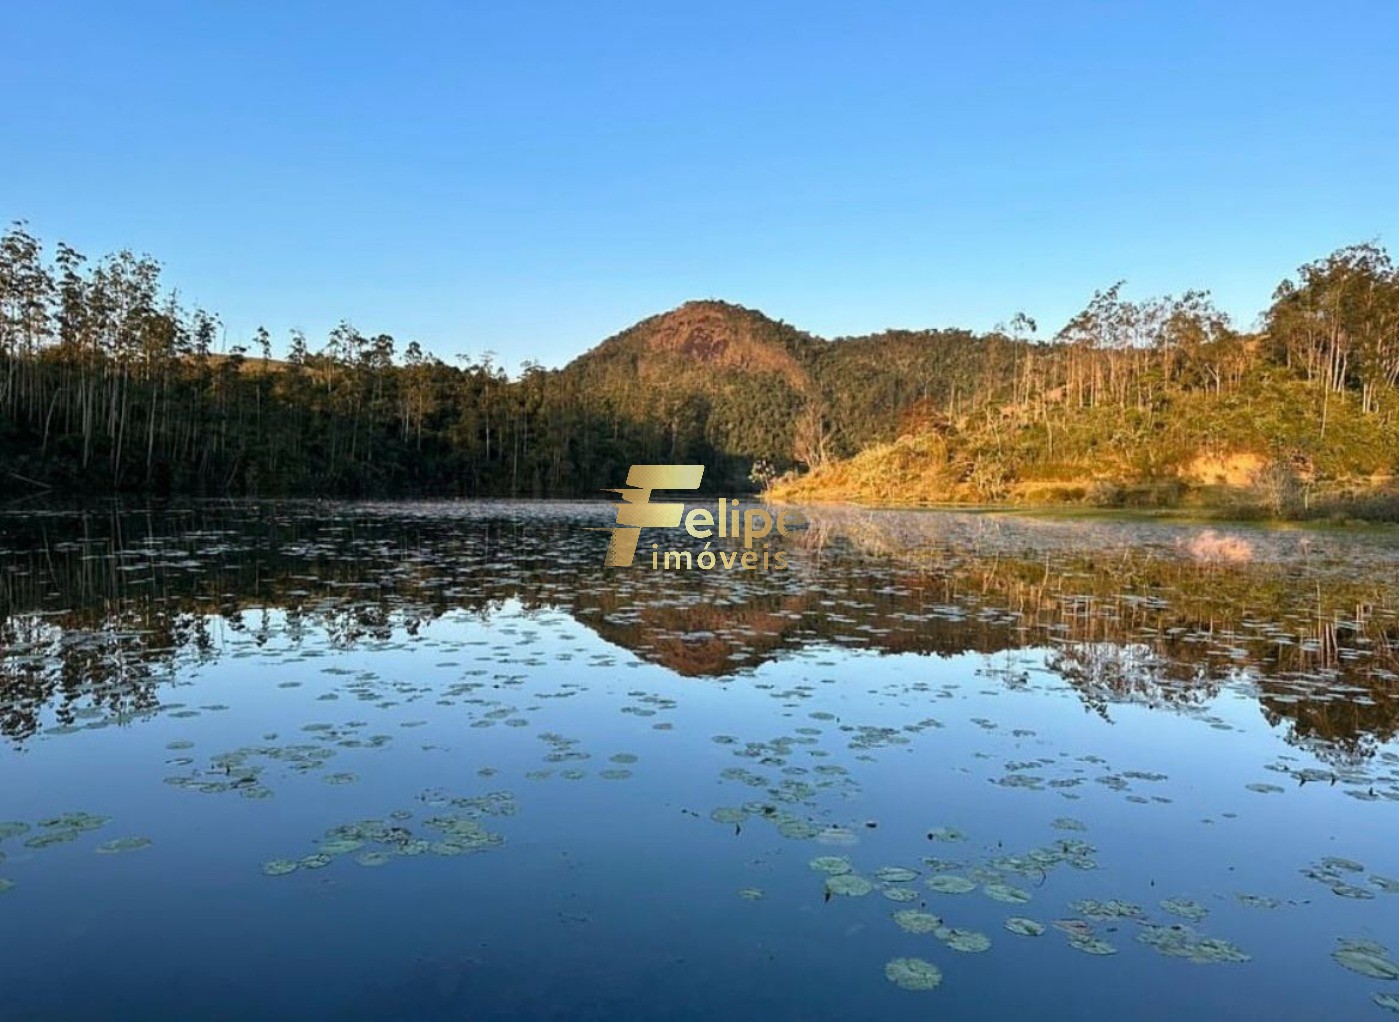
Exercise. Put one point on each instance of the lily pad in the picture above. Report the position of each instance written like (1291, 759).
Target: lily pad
(1110, 909)
(950, 883)
(913, 974)
(340, 845)
(51, 837)
(849, 885)
(1257, 900)
(831, 865)
(895, 874)
(967, 941)
(1092, 946)
(914, 921)
(1024, 927)
(796, 828)
(123, 844)
(897, 893)
(1337, 863)
(751, 894)
(1185, 908)
(279, 867)
(1354, 891)
(1367, 958)
(1178, 941)
(1006, 893)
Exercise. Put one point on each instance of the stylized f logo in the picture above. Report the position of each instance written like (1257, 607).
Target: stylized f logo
(637, 513)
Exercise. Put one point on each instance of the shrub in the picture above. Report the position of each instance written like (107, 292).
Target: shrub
(1277, 488)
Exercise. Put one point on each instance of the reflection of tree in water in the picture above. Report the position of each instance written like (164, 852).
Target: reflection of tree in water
(97, 611)
(43, 665)
(1146, 625)
(1106, 673)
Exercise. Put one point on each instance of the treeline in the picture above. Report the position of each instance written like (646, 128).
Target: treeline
(107, 383)
(1162, 391)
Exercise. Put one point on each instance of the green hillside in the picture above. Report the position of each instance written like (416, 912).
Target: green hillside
(1160, 403)
(731, 387)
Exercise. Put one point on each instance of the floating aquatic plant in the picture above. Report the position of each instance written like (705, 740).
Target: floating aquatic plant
(1110, 909)
(895, 874)
(849, 885)
(897, 893)
(1257, 900)
(1178, 941)
(1006, 893)
(340, 845)
(797, 828)
(1185, 908)
(1092, 946)
(123, 844)
(913, 974)
(967, 941)
(831, 865)
(1367, 958)
(1024, 927)
(950, 883)
(915, 921)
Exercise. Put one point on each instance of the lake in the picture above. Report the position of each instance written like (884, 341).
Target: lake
(434, 761)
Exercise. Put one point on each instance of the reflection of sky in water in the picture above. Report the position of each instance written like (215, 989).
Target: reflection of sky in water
(619, 898)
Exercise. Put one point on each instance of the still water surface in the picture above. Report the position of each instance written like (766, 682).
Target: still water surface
(433, 761)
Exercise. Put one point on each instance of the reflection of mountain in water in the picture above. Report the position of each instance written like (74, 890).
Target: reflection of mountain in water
(98, 609)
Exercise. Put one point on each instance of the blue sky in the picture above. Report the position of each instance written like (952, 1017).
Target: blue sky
(530, 178)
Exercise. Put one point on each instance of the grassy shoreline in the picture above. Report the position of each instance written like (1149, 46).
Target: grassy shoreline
(1339, 507)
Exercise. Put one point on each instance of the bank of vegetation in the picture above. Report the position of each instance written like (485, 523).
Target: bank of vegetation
(109, 383)
(1162, 403)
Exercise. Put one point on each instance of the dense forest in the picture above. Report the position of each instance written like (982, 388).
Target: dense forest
(109, 384)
